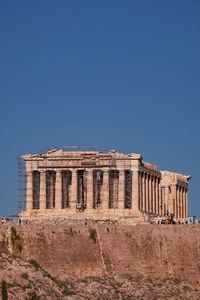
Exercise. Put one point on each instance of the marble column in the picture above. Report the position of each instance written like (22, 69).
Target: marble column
(153, 194)
(163, 201)
(29, 191)
(177, 201)
(183, 201)
(141, 191)
(135, 191)
(90, 189)
(186, 203)
(150, 193)
(144, 192)
(147, 192)
(74, 189)
(180, 206)
(42, 189)
(121, 192)
(173, 191)
(58, 190)
(105, 200)
(157, 196)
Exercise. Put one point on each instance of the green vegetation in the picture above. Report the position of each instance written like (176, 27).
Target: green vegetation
(186, 288)
(9, 284)
(28, 286)
(24, 275)
(61, 285)
(34, 264)
(71, 231)
(19, 246)
(66, 291)
(150, 280)
(16, 238)
(33, 296)
(177, 280)
(4, 293)
(93, 234)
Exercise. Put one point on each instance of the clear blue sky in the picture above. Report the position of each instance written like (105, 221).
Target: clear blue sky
(119, 74)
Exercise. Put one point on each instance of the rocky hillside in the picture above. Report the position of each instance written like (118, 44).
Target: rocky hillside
(27, 280)
(92, 260)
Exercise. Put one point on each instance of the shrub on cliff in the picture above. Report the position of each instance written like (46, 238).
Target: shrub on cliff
(93, 234)
(4, 293)
(61, 285)
(16, 239)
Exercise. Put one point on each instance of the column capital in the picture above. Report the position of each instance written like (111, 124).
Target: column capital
(29, 173)
(91, 170)
(104, 169)
(58, 171)
(42, 171)
(135, 170)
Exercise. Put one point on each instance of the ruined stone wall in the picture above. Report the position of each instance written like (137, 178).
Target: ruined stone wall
(154, 251)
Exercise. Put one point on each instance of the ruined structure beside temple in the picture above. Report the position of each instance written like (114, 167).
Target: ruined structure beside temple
(101, 186)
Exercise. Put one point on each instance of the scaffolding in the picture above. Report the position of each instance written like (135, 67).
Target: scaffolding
(21, 181)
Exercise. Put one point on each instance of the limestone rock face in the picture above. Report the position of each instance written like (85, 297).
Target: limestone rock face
(67, 250)
(23, 281)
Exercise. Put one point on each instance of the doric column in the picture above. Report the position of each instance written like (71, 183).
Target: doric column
(180, 200)
(42, 189)
(141, 191)
(144, 191)
(173, 191)
(180, 203)
(186, 203)
(58, 189)
(74, 189)
(135, 191)
(121, 191)
(163, 200)
(29, 191)
(182, 206)
(147, 192)
(105, 200)
(153, 194)
(183, 202)
(177, 208)
(150, 193)
(157, 196)
(90, 189)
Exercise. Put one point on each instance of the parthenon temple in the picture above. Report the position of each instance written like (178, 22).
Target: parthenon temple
(101, 185)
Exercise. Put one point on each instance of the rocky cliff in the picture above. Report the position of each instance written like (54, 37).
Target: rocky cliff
(68, 250)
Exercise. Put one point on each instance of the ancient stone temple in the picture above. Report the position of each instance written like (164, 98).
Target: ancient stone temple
(100, 186)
